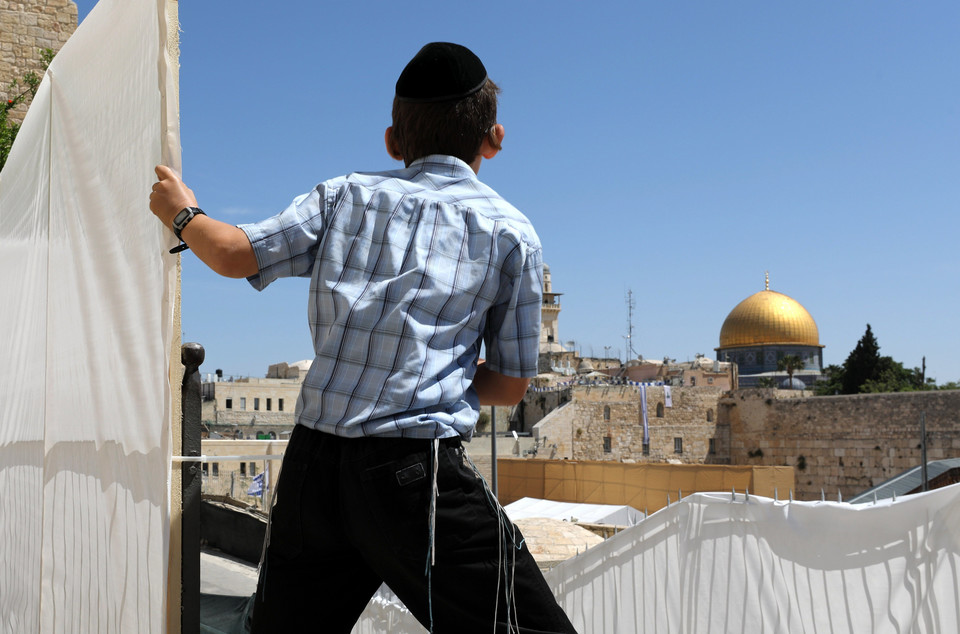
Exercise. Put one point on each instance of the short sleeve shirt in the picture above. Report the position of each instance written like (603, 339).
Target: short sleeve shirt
(411, 270)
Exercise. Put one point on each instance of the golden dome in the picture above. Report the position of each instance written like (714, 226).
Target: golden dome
(768, 317)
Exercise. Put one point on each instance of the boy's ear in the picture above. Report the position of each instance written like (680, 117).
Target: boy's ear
(492, 142)
(392, 148)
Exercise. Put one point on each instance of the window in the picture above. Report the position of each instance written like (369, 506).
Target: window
(646, 449)
(607, 444)
(243, 402)
(205, 469)
(256, 404)
(659, 410)
(713, 445)
(268, 404)
(229, 403)
(253, 468)
(709, 415)
(710, 380)
(693, 381)
(279, 404)
(216, 470)
(606, 412)
(243, 468)
(678, 445)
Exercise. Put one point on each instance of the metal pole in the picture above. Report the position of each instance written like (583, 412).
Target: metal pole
(923, 450)
(493, 449)
(191, 355)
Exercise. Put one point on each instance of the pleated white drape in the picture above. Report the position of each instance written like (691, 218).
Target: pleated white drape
(85, 332)
(716, 563)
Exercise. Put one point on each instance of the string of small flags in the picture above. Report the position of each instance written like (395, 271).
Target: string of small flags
(597, 382)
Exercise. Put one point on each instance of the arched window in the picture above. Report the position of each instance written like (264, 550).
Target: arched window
(709, 415)
(606, 412)
(659, 410)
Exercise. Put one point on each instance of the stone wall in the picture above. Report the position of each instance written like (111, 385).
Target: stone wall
(25, 28)
(536, 405)
(605, 423)
(839, 443)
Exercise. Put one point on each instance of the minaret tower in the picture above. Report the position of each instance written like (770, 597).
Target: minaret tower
(549, 315)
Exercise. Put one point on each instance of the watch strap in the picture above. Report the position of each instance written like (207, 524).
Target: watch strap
(183, 218)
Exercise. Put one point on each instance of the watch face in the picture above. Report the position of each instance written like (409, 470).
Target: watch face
(182, 215)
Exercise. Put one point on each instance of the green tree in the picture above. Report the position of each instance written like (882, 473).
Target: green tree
(866, 371)
(832, 381)
(862, 364)
(20, 91)
(891, 376)
(790, 363)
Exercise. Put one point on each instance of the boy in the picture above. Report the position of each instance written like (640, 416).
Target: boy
(410, 271)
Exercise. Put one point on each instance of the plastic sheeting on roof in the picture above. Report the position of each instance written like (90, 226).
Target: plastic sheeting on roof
(723, 563)
(86, 334)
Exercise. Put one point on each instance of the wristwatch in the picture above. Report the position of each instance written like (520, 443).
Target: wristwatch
(183, 218)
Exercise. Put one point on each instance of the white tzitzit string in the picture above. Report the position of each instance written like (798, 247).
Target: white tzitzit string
(266, 535)
(433, 503)
(432, 526)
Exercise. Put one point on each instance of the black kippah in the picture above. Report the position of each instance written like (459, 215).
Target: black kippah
(441, 71)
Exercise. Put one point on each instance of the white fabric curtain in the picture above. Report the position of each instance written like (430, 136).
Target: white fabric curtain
(716, 563)
(712, 563)
(86, 323)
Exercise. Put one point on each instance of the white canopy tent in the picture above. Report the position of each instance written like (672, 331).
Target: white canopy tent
(611, 514)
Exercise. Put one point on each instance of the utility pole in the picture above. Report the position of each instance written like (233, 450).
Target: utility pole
(923, 450)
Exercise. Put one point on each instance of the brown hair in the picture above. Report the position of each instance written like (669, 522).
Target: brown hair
(455, 128)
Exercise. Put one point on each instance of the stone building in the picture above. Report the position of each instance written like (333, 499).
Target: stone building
(26, 28)
(764, 328)
(251, 407)
(606, 422)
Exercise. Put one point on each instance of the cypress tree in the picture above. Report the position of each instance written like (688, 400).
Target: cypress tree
(863, 364)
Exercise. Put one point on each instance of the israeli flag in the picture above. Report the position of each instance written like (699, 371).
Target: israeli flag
(256, 487)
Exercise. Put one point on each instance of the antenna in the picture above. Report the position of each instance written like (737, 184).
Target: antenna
(631, 353)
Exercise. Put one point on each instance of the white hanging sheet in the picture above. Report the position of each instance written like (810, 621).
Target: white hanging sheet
(714, 564)
(86, 324)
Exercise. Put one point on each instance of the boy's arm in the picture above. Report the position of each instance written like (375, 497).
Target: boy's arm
(224, 248)
(494, 388)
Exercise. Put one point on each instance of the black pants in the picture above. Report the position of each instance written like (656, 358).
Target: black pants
(352, 513)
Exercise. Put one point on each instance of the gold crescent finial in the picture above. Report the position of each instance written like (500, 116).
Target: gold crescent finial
(766, 280)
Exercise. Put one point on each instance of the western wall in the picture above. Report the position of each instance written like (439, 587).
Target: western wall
(839, 443)
(844, 444)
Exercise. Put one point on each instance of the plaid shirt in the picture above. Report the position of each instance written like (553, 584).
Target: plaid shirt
(410, 270)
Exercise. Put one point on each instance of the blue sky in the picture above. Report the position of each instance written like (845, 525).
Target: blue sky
(675, 149)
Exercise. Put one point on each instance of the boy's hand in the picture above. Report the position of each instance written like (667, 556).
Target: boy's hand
(169, 195)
